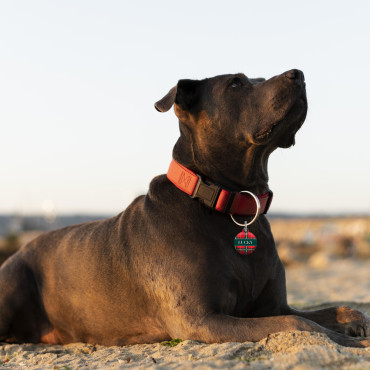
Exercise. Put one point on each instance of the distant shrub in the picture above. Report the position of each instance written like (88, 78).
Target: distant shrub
(11, 242)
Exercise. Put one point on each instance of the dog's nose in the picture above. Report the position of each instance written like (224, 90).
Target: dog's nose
(295, 74)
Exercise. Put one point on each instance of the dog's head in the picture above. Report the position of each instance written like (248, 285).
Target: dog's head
(229, 115)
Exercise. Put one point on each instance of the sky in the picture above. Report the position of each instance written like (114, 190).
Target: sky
(78, 80)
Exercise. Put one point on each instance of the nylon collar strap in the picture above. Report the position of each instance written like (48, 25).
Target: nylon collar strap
(214, 196)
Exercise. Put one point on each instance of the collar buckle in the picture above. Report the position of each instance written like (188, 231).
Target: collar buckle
(207, 193)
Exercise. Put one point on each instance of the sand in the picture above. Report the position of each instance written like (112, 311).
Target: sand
(346, 281)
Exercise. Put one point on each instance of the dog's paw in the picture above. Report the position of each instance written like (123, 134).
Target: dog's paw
(354, 342)
(353, 322)
(348, 341)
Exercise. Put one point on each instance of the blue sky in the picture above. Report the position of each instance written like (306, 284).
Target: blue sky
(78, 80)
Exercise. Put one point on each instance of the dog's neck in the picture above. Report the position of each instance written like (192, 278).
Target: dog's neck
(248, 170)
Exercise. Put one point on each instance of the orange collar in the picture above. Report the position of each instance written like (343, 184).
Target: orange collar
(215, 196)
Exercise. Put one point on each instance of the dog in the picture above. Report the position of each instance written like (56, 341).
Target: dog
(167, 267)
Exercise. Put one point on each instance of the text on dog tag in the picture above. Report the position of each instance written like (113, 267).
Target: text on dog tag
(245, 243)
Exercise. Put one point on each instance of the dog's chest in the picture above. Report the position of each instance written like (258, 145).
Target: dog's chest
(245, 283)
(246, 277)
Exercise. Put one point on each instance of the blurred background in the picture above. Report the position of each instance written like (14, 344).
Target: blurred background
(80, 137)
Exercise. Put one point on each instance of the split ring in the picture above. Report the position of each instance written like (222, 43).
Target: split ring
(257, 213)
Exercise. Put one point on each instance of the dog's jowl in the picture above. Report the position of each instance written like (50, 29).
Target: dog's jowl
(166, 267)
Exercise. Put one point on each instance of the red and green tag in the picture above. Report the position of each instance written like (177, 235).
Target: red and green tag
(245, 243)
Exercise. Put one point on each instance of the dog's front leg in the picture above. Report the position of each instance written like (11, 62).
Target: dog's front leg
(341, 319)
(217, 328)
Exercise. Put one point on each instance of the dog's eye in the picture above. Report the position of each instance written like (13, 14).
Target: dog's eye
(236, 82)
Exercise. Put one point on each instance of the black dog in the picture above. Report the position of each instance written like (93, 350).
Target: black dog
(166, 267)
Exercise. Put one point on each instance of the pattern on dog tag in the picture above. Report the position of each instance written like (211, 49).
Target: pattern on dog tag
(245, 243)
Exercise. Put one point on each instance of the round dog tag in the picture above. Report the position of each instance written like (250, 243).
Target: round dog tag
(245, 243)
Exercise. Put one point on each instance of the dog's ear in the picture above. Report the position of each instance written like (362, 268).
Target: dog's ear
(187, 95)
(184, 94)
(167, 101)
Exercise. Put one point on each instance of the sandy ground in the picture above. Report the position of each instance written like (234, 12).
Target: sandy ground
(344, 281)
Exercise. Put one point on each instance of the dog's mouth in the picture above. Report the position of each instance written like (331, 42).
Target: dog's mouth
(285, 129)
(266, 132)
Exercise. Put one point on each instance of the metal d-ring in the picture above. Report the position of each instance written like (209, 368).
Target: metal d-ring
(257, 213)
